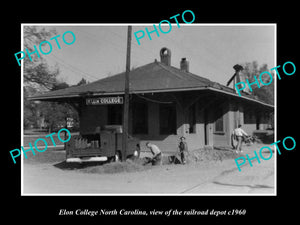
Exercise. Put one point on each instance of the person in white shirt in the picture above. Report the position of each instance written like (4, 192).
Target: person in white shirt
(157, 155)
(238, 134)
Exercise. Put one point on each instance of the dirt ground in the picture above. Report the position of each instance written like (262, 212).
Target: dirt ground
(205, 177)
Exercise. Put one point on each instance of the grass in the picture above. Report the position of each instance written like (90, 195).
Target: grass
(49, 156)
(32, 138)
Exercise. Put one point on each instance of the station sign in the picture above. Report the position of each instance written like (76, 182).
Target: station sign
(105, 101)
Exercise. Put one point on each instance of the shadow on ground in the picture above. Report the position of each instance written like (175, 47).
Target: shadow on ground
(74, 165)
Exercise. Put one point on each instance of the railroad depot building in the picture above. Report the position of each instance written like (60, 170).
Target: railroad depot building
(166, 103)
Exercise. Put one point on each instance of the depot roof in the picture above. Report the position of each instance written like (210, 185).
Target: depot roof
(151, 78)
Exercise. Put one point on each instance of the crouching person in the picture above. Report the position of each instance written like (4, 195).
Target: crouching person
(157, 155)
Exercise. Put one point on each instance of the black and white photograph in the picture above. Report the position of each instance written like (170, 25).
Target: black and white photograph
(148, 109)
(149, 115)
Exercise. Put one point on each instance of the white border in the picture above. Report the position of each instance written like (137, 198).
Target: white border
(22, 111)
(275, 110)
(149, 24)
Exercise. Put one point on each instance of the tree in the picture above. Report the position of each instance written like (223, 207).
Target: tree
(37, 71)
(56, 114)
(39, 77)
(30, 113)
(37, 74)
(82, 82)
(264, 93)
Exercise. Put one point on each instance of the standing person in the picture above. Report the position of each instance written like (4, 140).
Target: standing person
(233, 140)
(183, 149)
(239, 133)
(157, 155)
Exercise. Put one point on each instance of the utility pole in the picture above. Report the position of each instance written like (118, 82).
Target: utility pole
(126, 97)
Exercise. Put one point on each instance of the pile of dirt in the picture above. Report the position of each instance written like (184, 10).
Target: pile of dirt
(211, 155)
(199, 155)
(117, 167)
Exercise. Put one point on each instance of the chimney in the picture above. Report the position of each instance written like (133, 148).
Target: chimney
(184, 65)
(165, 56)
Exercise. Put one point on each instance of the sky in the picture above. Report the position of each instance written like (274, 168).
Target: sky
(211, 49)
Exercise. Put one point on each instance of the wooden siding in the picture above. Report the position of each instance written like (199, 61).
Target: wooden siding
(233, 114)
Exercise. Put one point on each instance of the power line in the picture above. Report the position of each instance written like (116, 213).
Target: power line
(77, 69)
(182, 45)
(151, 100)
(139, 47)
(138, 59)
(115, 45)
(95, 38)
(73, 68)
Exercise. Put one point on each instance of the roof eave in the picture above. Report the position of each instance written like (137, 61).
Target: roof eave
(148, 91)
(243, 97)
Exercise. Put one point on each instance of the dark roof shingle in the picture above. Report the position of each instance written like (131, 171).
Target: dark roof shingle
(152, 77)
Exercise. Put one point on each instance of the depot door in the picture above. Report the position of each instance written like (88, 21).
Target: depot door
(208, 134)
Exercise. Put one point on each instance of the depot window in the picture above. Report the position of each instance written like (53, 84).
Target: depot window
(114, 114)
(219, 121)
(140, 118)
(167, 119)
